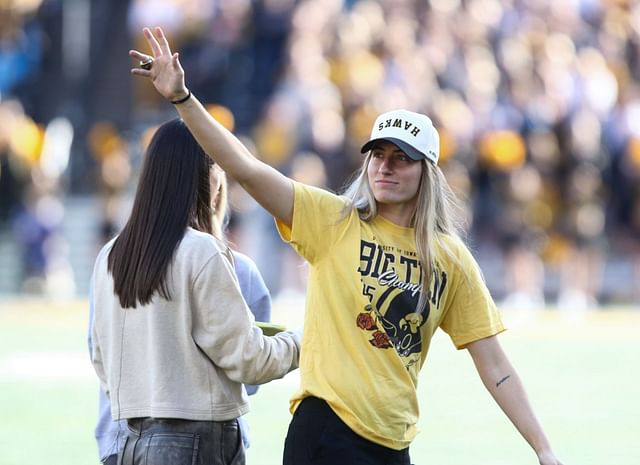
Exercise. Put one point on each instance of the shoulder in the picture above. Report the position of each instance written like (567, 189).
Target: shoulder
(456, 257)
(247, 271)
(243, 263)
(252, 286)
(193, 238)
(199, 247)
(452, 249)
(305, 192)
(103, 255)
(320, 207)
(452, 243)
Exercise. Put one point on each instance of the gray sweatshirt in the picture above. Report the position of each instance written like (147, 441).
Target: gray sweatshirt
(186, 357)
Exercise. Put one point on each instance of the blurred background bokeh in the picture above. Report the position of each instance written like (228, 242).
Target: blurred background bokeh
(537, 103)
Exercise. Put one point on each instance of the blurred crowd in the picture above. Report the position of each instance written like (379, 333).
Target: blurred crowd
(537, 103)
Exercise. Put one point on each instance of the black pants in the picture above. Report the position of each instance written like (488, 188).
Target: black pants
(318, 437)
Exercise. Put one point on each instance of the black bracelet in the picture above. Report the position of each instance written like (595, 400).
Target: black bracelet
(183, 99)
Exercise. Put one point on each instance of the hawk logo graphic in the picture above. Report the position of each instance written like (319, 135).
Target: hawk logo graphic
(402, 327)
(391, 325)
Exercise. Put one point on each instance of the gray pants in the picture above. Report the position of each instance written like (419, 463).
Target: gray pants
(154, 441)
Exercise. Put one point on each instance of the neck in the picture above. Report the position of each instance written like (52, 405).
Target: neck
(397, 214)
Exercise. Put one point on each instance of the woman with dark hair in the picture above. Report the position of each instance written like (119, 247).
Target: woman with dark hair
(172, 337)
(110, 433)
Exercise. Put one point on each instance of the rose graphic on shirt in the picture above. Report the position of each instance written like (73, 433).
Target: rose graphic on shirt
(380, 340)
(366, 321)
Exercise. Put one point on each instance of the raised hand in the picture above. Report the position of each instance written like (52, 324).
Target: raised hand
(165, 71)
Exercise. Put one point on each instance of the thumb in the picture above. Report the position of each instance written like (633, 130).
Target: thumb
(175, 61)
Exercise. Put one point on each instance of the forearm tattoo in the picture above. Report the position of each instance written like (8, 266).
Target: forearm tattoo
(502, 380)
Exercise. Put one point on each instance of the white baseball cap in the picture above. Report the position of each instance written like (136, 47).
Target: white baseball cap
(412, 132)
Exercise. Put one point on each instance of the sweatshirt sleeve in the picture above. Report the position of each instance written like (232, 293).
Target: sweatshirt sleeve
(225, 329)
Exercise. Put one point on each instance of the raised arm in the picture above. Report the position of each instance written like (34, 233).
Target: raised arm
(269, 187)
(502, 381)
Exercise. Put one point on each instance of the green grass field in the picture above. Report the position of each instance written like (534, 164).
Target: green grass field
(582, 373)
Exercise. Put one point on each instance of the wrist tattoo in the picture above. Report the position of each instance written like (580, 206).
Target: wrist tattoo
(503, 380)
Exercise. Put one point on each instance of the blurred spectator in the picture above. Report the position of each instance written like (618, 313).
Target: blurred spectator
(537, 103)
(20, 46)
(34, 158)
(112, 155)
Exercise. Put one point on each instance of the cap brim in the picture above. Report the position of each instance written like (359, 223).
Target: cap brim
(409, 150)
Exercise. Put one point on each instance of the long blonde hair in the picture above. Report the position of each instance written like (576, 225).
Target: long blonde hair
(437, 215)
(220, 208)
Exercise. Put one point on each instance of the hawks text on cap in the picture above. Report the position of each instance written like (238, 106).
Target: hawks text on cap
(398, 123)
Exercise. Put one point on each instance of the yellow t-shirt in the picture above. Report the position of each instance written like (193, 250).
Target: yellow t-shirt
(364, 342)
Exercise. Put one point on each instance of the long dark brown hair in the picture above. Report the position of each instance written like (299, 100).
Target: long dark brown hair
(173, 193)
